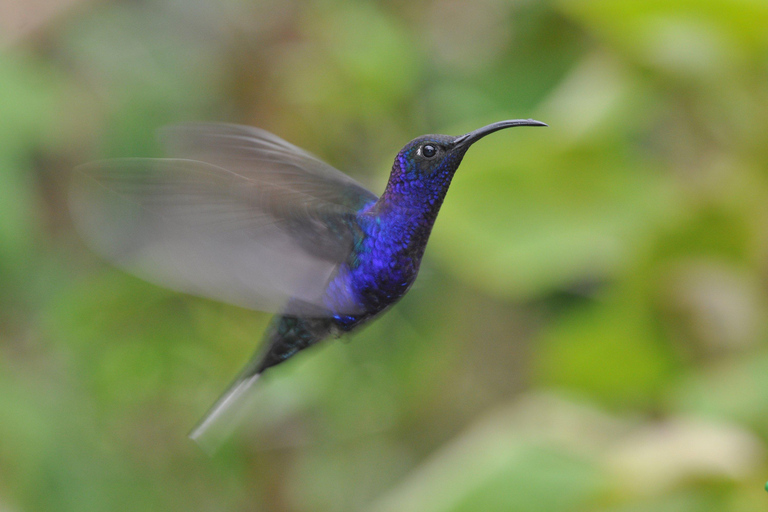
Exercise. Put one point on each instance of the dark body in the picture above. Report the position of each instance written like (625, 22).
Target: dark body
(247, 218)
(390, 238)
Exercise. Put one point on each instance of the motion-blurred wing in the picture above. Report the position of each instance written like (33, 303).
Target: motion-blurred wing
(255, 153)
(247, 218)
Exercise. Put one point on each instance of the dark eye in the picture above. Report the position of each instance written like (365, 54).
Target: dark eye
(428, 150)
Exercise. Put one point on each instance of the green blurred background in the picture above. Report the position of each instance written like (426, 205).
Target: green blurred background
(588, 333)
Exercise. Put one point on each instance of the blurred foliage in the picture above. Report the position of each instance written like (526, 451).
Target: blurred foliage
(588, 333)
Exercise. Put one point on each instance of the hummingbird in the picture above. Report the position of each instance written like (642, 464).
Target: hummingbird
(239, 215)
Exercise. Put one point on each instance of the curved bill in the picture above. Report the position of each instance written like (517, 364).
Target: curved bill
(472, 137)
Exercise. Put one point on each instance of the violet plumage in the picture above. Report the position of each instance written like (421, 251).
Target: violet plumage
(242, 216)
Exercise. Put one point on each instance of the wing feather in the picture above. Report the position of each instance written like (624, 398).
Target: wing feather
(238, 215)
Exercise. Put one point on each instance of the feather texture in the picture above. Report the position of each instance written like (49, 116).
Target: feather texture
(238, 215)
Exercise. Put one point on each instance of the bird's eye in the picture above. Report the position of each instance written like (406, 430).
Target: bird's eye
(428, 150)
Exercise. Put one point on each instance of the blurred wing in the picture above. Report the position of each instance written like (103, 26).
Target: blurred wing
(254, 222)
(255, 153)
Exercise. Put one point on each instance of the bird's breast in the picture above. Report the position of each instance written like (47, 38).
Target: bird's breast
(380, 269)
(386, 261)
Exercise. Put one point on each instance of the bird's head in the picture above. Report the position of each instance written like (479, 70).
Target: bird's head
(429, 162)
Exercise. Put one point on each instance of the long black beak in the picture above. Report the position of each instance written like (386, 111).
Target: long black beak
(470, 138)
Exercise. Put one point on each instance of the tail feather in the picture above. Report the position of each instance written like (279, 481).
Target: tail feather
(285, 336)
(224, 415)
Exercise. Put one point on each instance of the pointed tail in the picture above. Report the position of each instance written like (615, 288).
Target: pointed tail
(285, 336)
(222, 418)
